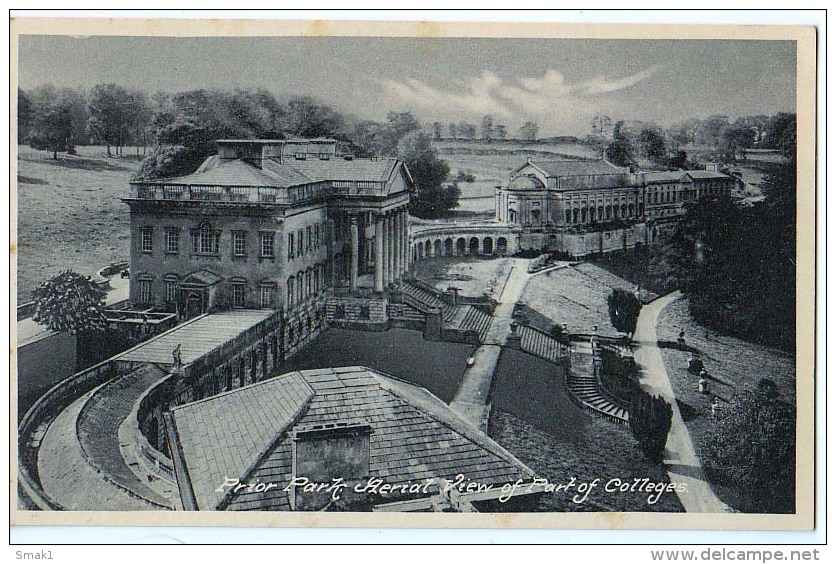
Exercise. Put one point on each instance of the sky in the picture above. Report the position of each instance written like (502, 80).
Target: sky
(558, 83)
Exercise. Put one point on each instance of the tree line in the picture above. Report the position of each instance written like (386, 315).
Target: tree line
(181, 130)
(626, 143)
(488, 130)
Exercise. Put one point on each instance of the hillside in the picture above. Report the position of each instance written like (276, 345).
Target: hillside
(70, 215)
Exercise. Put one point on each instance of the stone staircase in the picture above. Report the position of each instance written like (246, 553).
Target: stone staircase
(584, 388)
(540, 344)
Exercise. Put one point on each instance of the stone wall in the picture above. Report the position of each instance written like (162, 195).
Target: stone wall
(368, 313)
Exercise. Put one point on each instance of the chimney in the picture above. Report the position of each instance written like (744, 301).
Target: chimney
(324, 452)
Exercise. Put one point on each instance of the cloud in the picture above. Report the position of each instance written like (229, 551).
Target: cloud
(557, 103)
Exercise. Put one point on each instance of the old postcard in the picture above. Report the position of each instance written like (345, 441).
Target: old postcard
(277, 273)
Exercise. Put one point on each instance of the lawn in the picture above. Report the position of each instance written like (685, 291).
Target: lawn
(534, 418)
(472, 276)
(70, 215)
(732, 365)
(576, 296)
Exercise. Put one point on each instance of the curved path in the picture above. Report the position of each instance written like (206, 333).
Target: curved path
(681, 460)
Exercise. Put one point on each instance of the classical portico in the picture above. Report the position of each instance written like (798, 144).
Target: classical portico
(390, 240)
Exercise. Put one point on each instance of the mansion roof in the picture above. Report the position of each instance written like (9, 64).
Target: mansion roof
(249, 433)
(272, 173)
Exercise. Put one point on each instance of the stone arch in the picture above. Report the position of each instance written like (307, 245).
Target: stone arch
(487, 245)
(630, 210)
(583, 215)
(420, 251)
(448, 247)
(502, 245)
(575, 217)
(473, 246)
(623, 210)
(461, 247)
(568, 216)
(437, 248)
(428, 248)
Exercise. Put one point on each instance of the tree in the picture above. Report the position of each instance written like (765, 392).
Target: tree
(734, 140)
(466, 130)
(618, 153)
(69, 302)
(438, 131)
(112, 115)
(52, 121)
(650, 422)
(24, 115)
(601, 131)
(781, 133)
(431, 197)
(306, 117)
(487, 128)
(652, 144)
(752, 447)
(624, 307)
(529, 131)
(398, 124)
(501, 132)
(454, 131)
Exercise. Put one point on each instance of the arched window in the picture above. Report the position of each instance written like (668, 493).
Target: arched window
(290, 292)
(568, 216)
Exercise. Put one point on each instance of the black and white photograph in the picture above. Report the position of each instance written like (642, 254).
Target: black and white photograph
(520, 276)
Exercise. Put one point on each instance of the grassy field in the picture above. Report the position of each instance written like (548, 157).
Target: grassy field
(576, 296)
(70, 215)
(534, 418)
(732, 365)
(472, 276)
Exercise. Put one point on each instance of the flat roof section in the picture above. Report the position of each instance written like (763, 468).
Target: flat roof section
(197, 337)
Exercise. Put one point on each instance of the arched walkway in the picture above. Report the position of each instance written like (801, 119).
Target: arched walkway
(474, 246)
(420, 250)
(487, 246)
(448, 247)
(502, 245)
(461, 246)
(437, 248)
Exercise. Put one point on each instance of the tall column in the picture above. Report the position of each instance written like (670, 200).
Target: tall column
(390, 256)
(404, 243)
(384, 248)
(378, 253)
(398, 245)
(355, 252)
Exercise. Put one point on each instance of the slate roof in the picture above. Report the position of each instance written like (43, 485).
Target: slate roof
(664, 176)
(291, 173)
(197, 337)
(340, 169)
(227, 434)
(414, 435)
(578, 168)
(706, 174)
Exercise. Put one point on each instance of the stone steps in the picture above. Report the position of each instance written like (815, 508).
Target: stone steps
(584, 388)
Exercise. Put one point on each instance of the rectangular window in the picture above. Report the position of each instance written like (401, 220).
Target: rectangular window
(309, 237)
(316, 236)
(172, 240)
(205, 241)
(268, 245)
(239, 292)
(239, 243)
(170, 292)
(267, 296)
(145, 291)
(290, 247)
(300, 243)
(146, 242)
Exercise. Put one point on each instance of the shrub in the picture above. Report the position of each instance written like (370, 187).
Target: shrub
(624, 307)
(650, 422)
